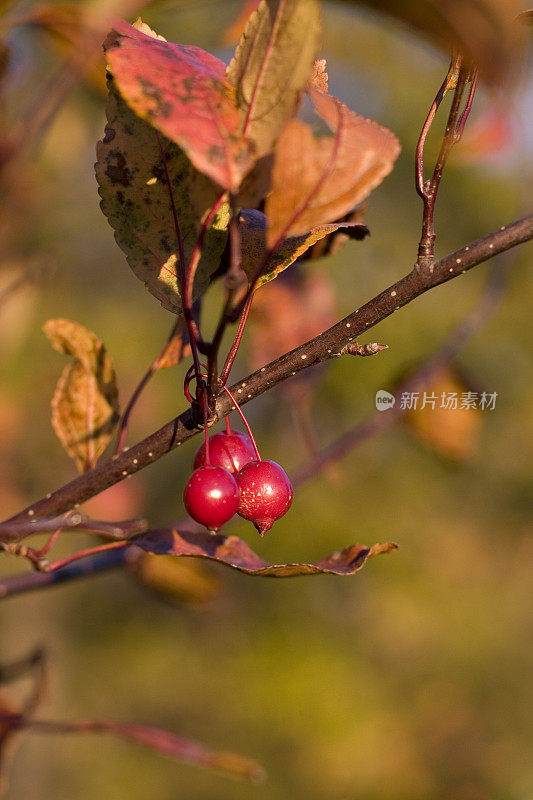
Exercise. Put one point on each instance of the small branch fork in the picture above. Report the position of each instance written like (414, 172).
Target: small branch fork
(459, 77)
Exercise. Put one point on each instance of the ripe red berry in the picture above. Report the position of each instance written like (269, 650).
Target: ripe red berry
(229, 450)
(266, 493)
(211, 496)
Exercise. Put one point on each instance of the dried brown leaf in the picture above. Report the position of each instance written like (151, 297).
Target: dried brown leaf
(235, 553)
(85, 405)
(316, 180)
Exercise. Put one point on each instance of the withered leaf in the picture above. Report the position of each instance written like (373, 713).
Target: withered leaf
(272, 66)
(182, 91)
(253, 227)
(316, 180)
(136, 201)
(85, 405)
(449, 429)
(233, 552)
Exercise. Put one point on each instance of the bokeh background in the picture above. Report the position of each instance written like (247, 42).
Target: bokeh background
(411, 679)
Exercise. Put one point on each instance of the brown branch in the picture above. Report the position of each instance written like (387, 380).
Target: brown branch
(112, 559)
(323, 347)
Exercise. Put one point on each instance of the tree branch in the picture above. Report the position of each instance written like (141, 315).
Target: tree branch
(323, 347)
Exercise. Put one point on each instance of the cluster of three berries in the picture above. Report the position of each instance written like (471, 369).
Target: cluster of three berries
(236, 482)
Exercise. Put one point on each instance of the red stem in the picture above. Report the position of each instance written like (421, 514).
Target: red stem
(238, 410)
(82, 553)
(224, 375)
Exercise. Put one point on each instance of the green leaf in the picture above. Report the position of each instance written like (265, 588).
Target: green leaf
(272, 66)
(254, 245)
(85, 405)
(135, 198)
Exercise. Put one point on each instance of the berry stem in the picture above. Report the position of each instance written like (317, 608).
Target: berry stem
(224, 375)
(228, 426)
(238, 410)
(82, 553)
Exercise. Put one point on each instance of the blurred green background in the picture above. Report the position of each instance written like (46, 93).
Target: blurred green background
(411, 679)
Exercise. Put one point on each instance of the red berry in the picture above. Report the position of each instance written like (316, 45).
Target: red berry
(211, 496)
(229, 450)
(266, 493)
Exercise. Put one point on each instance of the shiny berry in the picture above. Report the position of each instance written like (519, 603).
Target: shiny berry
(266, 493)
(211, 496)
(229, 450)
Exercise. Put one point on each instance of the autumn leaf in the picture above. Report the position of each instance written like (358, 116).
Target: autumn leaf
(316, 180)
(85, 403)
(272, 66)
(131, 173)
(442, 424)
(235, 553)
(183, 92)
(253, 227)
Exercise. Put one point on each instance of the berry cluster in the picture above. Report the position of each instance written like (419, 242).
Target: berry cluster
(235, 480)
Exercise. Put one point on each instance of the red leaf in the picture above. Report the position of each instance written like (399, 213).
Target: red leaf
(233, 552)
(182, 91)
